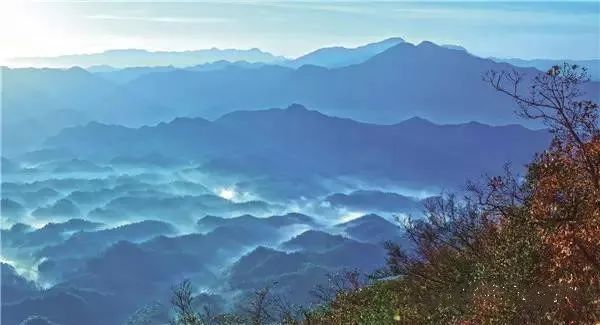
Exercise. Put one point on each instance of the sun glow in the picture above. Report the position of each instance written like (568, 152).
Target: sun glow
(25, 29)
(43, 29)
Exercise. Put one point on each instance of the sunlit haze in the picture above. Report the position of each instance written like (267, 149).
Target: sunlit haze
(525, 30)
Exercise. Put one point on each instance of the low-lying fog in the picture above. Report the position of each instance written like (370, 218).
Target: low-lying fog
(121, 235)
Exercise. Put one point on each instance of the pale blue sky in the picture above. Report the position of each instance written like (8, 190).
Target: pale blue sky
(507, 29)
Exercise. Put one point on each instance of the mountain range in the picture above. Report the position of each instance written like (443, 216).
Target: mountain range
(440, 83)
(124, 58)
(328, 57)
(112, 60)
(338, 56)
(426, 80)
(281, 143)
(134, 170)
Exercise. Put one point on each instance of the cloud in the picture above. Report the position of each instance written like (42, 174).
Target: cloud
(344, 8)
(164, 19)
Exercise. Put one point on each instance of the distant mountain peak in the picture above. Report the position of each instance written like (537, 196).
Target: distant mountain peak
(416, 119)
(338, 56)
(123, 58)
(428, 44)
(186, 122)
(393, 40)
(416, 122)
(77, 69)
(294, 111)
(295, 107)
(367, 218)
(454, 47)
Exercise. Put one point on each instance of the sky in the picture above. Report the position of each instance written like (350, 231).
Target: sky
(502, 29)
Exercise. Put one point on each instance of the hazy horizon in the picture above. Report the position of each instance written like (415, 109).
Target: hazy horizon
(529, 30)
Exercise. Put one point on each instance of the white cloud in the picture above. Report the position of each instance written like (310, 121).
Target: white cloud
(227, 193)
(165, 19)
(346, 8)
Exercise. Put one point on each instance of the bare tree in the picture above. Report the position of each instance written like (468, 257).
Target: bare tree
(181, 300)
(338, 283)
(557, 99)
(287, 313)
(259, 309)
(207, 316)
(450, 225)
(497, 195)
